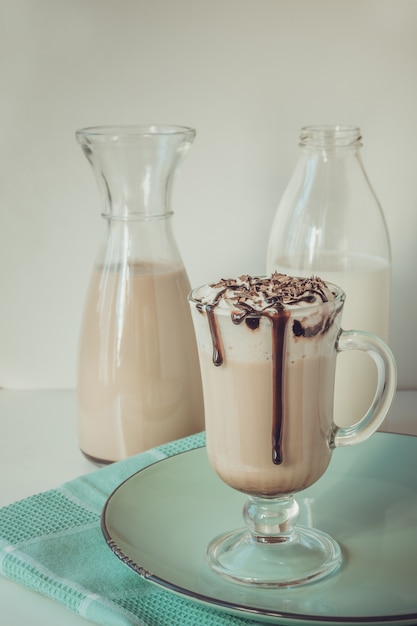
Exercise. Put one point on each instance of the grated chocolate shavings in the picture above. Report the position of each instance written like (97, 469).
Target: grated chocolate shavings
(274, 292)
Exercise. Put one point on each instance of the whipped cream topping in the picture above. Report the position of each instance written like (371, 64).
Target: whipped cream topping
(259, 294)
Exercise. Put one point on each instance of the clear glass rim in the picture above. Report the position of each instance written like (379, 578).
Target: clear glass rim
(130, 132)
(332, 135)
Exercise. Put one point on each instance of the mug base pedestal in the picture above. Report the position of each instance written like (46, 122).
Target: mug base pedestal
(305, 556)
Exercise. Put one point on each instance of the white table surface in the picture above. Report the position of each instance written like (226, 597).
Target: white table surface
(39, 451)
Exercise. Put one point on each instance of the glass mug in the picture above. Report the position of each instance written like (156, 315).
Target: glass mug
(268, 377)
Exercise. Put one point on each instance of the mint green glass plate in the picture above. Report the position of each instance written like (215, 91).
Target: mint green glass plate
(160, 521)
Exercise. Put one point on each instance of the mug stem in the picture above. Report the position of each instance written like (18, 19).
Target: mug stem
(272, 551)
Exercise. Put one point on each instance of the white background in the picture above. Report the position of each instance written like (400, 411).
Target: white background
(247, 74)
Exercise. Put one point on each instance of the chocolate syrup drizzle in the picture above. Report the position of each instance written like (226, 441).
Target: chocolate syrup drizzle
(253, 298)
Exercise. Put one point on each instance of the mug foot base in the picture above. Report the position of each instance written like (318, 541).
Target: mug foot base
(305, 556)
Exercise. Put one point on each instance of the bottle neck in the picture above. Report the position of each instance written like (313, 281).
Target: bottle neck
(135, 167)
(331, 138)
(138, 241)
(329, 216)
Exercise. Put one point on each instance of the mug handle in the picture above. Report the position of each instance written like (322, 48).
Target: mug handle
(385, 389)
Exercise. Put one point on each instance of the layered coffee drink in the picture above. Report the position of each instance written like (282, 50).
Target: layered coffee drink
(268, 349)
(267, 356)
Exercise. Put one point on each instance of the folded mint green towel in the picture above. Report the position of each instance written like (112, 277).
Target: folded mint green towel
(52, 543)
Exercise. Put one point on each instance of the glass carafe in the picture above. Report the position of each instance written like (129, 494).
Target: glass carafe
(138, 382)
(330, 223)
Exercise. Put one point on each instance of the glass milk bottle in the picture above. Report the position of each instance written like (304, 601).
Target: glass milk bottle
(138, 373)
(330, 223)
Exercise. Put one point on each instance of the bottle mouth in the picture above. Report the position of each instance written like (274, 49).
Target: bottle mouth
(331, 136)
(131, 133)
